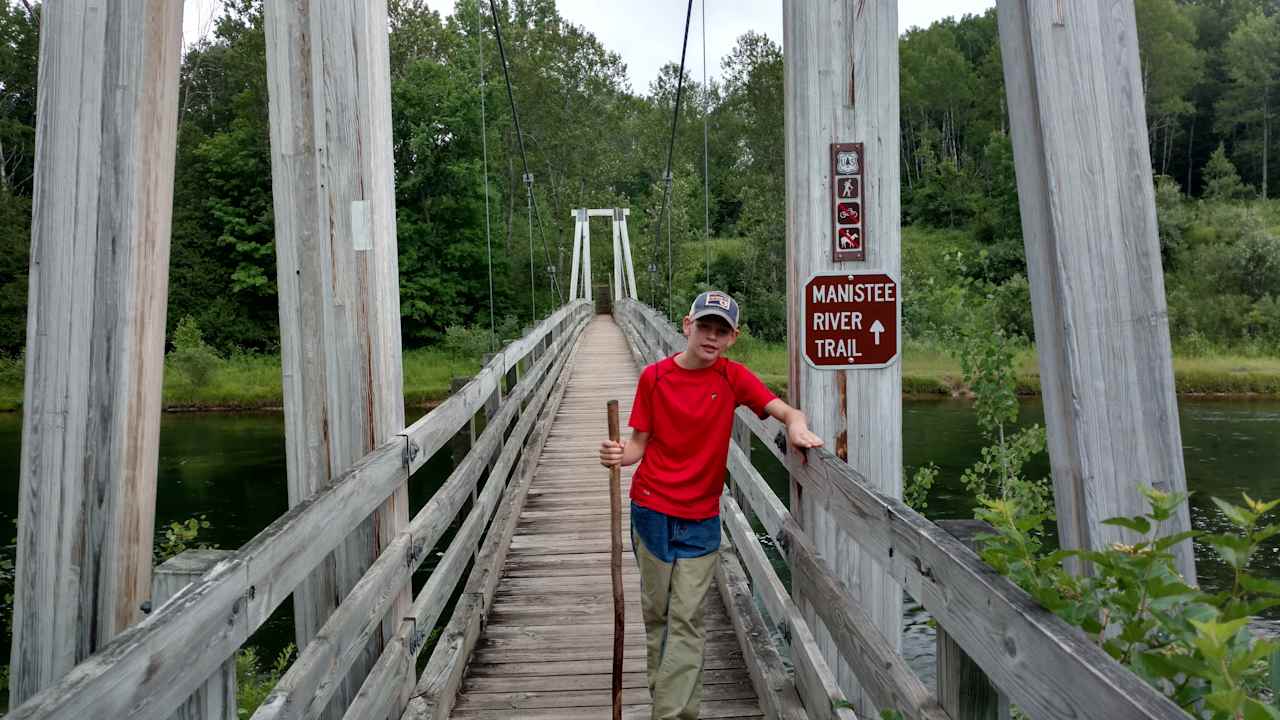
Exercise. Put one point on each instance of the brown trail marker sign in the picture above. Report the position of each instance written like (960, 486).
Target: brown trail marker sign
(848, 179)
(851, 320)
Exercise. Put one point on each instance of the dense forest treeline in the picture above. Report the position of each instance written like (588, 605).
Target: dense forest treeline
(1211, 70)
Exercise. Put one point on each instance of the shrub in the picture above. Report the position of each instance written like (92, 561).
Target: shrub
(191, 356)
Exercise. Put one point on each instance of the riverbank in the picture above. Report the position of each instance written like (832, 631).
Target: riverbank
(929, 372)
(252, 382)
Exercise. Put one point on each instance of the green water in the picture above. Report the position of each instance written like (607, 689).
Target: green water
(230, 467)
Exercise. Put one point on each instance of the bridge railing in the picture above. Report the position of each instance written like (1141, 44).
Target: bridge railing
(991, 633)
(152, 668)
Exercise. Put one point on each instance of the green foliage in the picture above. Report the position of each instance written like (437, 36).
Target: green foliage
(915, 493)
(181, 536)
(1221, 181)
(254, 682)
(191, 356)
(1193, 646)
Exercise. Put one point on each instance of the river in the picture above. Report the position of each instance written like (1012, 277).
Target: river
(230, 468)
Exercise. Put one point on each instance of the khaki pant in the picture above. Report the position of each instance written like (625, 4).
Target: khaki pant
(671, 600)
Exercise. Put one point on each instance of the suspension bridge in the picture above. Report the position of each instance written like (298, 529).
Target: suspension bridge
(514, 618)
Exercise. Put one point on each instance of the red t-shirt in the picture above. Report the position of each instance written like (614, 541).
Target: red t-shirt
(689, 417)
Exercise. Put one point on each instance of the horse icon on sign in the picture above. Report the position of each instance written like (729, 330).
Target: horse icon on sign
(850, 239)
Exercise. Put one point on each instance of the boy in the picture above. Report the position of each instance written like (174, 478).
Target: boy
(681, 422)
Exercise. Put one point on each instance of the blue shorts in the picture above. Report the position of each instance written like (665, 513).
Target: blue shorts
(668, 538)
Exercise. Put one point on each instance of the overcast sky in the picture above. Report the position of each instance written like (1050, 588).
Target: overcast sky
(646, 33)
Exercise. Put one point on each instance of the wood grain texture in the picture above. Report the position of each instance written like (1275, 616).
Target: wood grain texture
(311, 680)
(216, 699)
(1046, 667)
(338, 278)
(397, 663)
(106, 124)
(1078, 125)
(833, 49)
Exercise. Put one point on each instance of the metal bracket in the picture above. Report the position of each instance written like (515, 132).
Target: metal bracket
(667, 178)
(414, 552)
(784, 630)
(528, 179)
(417, 638)
(411, 450)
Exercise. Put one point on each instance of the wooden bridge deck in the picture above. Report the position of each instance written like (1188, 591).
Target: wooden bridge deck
(546, 650)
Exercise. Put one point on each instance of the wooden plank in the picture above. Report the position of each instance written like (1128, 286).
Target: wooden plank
(1079, 131)
(152, 667)
(842, 86)
(963, 689)
(719, 709)
(527, 699)
(586, 682)
(98, 286)
(773, 683)
(216, 698)
(311, 680)
(337, 272)
(815, 681)
(1047, 667)
(374, 698)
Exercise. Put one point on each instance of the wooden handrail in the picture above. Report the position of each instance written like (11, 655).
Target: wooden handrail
(150, 669)
(305, 689)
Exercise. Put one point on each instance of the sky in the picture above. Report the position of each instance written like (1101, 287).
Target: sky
(646, 33)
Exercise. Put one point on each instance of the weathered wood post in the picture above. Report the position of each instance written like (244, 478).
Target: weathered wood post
(99, 282)
(841, 76)
(964, 690)
(1093, 258)
(332, 182)
(216, 699)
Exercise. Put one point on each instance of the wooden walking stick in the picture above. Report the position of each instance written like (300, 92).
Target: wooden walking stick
(615, 562)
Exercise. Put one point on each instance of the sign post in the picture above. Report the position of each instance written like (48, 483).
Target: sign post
(843, 214)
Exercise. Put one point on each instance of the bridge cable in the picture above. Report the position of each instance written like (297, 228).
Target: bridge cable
(484, 145)
(706, 155)
(524, 160)
(666, 177)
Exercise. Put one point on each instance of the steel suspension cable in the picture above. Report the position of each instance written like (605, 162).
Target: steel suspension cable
(706, 155)
(671, 145)
(524, 160)
(484, 147)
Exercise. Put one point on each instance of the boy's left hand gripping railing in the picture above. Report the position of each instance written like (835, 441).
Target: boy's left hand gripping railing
(152, 668)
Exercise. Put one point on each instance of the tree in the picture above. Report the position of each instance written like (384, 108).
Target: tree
(1171, 67)
(1252, 57)
(1221, 180)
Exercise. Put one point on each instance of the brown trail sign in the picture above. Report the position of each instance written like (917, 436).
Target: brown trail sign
(851, 320)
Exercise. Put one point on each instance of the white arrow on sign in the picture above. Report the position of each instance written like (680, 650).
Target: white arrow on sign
(876, 329)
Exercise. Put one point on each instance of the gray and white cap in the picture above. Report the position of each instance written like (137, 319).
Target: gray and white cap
(719, 304)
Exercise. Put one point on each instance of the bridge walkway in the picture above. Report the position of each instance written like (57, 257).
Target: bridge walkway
(546, 649)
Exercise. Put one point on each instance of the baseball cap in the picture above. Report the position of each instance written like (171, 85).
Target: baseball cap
(719, 304)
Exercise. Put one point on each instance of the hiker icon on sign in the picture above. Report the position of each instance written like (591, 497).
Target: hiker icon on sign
(847, 163)
(848, 187)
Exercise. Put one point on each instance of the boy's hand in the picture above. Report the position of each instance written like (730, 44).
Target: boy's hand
(802, 437)
(611, 453)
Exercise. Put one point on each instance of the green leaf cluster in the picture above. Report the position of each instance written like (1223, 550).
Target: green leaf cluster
(1192, 645)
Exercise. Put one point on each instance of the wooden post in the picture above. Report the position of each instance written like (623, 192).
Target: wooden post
(841, 79)
(964, 691)
(103, 199)
(332, 181)
(216, 699)
(1093, 259)
(575, 275)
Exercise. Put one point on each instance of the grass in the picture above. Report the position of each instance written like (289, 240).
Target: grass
(928, 370)
(251, 381)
